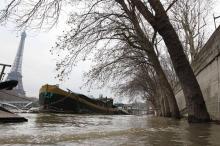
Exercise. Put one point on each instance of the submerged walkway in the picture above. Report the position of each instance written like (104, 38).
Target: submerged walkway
(8, 117)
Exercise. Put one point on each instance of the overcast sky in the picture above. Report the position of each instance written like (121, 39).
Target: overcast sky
(39, 65)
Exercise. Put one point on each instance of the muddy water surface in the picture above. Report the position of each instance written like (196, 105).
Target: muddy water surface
(107, 130)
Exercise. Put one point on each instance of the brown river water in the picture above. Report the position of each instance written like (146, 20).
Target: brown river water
(107, 130)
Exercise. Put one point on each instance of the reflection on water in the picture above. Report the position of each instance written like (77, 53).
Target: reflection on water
(107, 130)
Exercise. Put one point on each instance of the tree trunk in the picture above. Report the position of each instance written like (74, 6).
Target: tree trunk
(158, 105)
(163, 102)
(197, 111)
(167, 112)
(149, 49)
(195, 102)
(162, 108)
(165, 86)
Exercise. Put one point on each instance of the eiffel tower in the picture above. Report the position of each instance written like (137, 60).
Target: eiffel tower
(16, 70)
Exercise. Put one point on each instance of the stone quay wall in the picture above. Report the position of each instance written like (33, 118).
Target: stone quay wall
(206, 67)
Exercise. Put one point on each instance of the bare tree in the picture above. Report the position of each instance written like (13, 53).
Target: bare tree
(143, 83)
(189, 19)
(99, 24)
(159, 20)
(130, 74)
(135, 37)
(36, 13)
(154, 12)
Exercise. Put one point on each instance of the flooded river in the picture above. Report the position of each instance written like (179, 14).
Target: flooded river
(106, 130)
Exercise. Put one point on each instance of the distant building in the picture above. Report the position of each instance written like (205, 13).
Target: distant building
(137, 108)
(107, 101)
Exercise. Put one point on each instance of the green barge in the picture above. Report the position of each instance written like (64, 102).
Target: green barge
(54, 99)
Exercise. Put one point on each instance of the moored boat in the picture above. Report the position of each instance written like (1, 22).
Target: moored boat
(54, 99)
(8, 85)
